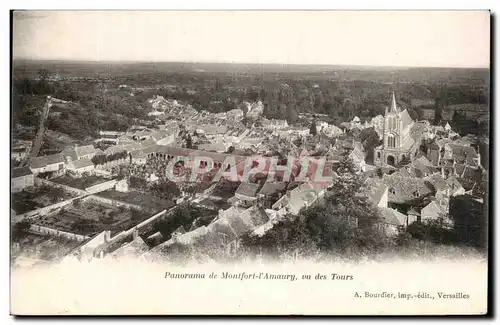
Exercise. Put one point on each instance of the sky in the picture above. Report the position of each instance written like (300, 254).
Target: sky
(374, 38)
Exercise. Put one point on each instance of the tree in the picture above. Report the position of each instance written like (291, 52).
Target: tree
(288, 237)
(137, 183)
(292, 115)
(313, 131)
(344, 222)
(189, 142)
(470, 219)
(438, 111)
(166, 189)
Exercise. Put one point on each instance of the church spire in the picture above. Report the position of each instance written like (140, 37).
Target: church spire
(393, 108)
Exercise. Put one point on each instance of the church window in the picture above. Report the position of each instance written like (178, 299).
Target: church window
(391, 141)
(378, 155)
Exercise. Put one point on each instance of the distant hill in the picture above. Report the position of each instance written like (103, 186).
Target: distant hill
(381, 74)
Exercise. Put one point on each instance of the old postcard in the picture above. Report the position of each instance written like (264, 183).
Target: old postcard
(250, 162)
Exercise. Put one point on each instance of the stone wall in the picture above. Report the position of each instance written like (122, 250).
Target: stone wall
(115, 202)
(73, 190)
(58, 233)
(46, 210)
(101, 187)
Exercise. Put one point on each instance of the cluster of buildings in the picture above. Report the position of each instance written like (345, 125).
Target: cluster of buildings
(413, 174)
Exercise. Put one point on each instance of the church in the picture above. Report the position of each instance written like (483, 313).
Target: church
(397, 143)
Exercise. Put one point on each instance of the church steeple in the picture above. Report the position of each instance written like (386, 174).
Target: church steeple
(393, 108)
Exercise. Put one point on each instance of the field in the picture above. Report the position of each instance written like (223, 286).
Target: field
(34, 246)
(150, 202)
(90, 217)
(37, 197)
(80, 183)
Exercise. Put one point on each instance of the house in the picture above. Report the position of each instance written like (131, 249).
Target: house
(298, 131)
(212, 129)
(464, 154)
(165, 137)
(235, 135)
(122, 186)
(432, 211)
(455, 186)
(80, 166)
(222, 233)
(274, 124)
(378, 193)
(421, 167)
(19, 154)
(434, 154)
(404, 190)
(138, 157)
(133, 249)
(441, 186)
(217, 147)
(95, 246)
(20, 149)
(303, 196)
(80, 152)
(44, 164)
(109, 138)
(392, 220)
(21, 178)
(247, 192)
(272, 189)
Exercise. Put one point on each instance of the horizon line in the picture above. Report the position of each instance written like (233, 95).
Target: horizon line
(250, 63)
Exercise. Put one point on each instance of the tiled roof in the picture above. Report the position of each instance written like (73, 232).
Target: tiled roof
(248, 189)
(85, 150)
(42, 161)
(271, 188)
(221, 227)
(463, 153)
(433, 156)
(453, 183)
(134, 248)
(406, 119)
(432, 206)
(408, 144)
(404, 189)
(438, 182)
(375, 191)
(82, 163)
(254, 216)
(21, 171)
(392, 217)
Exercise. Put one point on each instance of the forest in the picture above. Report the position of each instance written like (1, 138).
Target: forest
(342, 95)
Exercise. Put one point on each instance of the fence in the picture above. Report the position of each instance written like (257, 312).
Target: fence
(49, 231)
(115, 202)
(112, 163)
(102, 242)
(102, 172)
(101, 187)
(73, 190)
(46, 210)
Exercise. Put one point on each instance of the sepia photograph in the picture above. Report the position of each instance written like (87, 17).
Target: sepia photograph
(239, 162)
